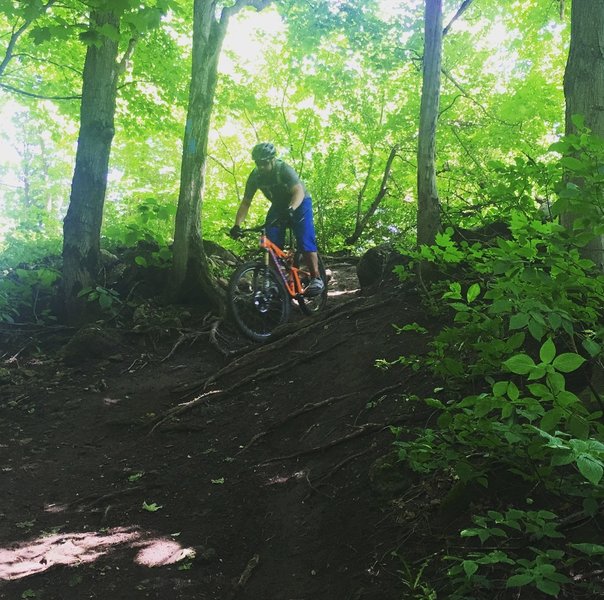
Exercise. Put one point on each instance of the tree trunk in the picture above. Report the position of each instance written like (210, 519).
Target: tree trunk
(192, 277)
(428, 205)
(82, 225)
(584, 88)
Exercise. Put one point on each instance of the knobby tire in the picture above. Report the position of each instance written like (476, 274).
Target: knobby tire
(258, 300)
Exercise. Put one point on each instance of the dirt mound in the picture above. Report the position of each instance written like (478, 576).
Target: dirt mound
(170, 470)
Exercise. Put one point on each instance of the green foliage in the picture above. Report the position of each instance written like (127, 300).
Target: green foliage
(25, 293)
(526, 315)
(108, 300)
(151, 506)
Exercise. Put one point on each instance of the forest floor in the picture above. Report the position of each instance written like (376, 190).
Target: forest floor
(164, 470)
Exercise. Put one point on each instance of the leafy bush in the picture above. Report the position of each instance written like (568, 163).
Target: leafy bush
(526, 322)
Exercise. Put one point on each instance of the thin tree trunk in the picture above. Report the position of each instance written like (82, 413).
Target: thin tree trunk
(82, 225)
(584, 88)
(191, 271)
(428, 209)
(362, 221)
(192, 277)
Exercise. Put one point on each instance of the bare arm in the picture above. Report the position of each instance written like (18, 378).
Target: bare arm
(242, 211)
(297, 196)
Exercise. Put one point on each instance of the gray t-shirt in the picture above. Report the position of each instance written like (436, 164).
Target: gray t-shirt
(275, 184)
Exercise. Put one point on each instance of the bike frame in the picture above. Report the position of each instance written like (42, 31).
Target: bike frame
(293, 284)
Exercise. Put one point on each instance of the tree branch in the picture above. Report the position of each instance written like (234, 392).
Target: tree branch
(40, 96)
(467, 95)
(376, 201)
(123, 64)
(17, 34)
(460, 11)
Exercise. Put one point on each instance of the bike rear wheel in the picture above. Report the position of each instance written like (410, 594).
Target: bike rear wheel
(312, 305)
(258, 300)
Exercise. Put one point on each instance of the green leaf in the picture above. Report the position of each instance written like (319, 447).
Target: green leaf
(556, 382)
(152, 507)
(470, 567)
(551, 419)
(513, 391)
(547, 351)
(539, 390)
(537, 373)
(591, 506)
(40, 35)
(563, 458)
(521, 364)
(590, 468)
(578, 426)
(473, 293)
(141, 261)
(536, 329)
(592, 348)
(555, 320)
(572, 164)
(500, 388)
(434, 403)
(566, 399)
(519, 580)
(105, 301)
(590, 549)
(110, 31)
(568, 362)
(515, 341)
(551, 588)
(218, 481)
(519, 321)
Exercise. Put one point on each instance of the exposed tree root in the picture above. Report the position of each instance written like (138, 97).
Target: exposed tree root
(239, 584)
(211, 331)
(257, 354)
(181, 408)
(265, 372)
(258, 375)
(304, 409)
(362, 430)
(334, 469)
(93, 499)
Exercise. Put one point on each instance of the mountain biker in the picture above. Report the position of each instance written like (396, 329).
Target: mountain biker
(290, 205)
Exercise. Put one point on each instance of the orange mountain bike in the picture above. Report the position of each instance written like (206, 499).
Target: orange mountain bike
(261, 291)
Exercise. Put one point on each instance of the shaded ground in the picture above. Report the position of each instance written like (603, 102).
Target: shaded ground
(202, 476)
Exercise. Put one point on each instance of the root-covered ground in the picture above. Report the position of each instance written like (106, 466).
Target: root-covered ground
(165, 468)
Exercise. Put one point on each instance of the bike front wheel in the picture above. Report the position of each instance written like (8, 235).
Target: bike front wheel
(258, 300)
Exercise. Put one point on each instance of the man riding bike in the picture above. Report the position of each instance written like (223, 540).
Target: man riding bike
(290, 205)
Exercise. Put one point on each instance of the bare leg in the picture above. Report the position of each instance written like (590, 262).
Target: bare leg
(312, 262)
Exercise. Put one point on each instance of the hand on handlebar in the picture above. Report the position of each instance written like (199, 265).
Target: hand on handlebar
(286, 219)
(235, 232)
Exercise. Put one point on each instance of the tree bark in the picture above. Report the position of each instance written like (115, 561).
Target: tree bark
(584, 88)
(82, 225)
(192, 277)
(428, 207)
(191, 271)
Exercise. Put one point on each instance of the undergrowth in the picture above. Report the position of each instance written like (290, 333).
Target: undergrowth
(525, 338)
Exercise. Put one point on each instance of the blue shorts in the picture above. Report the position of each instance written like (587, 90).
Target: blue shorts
(303, 226)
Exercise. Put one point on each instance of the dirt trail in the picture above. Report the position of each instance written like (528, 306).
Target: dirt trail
(205, 477)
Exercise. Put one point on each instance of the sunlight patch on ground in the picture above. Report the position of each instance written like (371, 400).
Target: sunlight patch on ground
(71, 549)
